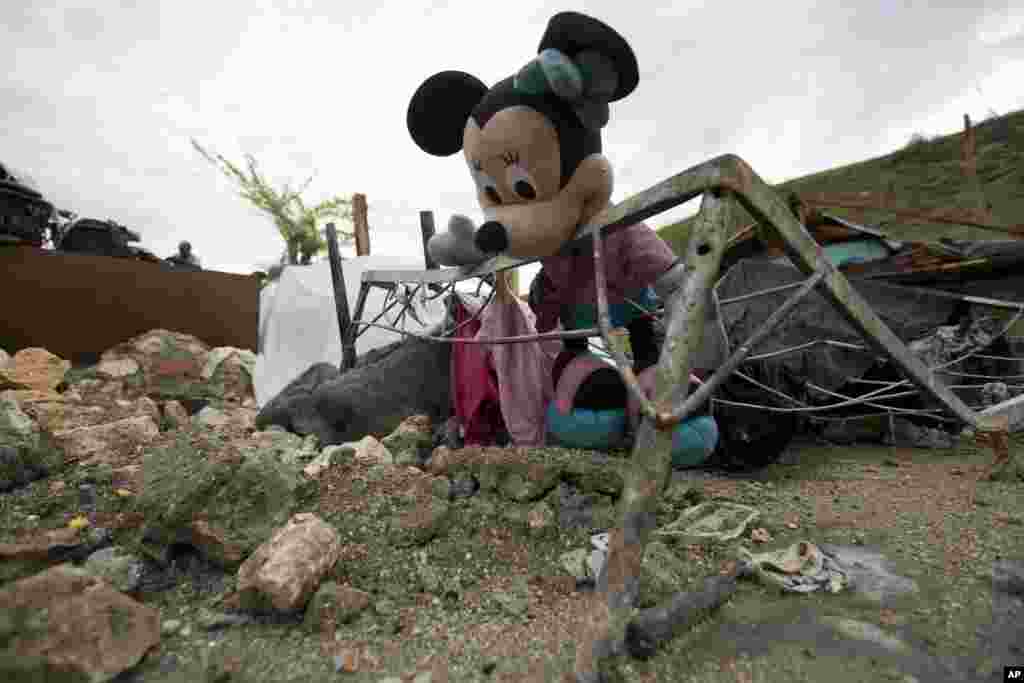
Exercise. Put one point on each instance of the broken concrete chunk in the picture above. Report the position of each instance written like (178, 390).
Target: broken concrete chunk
(35, 369)
(67, 620)
(285, 570)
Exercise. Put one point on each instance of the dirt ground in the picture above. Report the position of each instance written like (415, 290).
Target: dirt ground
(488, 599)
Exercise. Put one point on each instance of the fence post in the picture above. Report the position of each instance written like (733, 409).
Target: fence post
(969, 166)
(340, 298)
(427, 229)
(361, 223)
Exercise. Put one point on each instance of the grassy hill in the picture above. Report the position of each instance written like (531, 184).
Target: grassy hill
(925, 174)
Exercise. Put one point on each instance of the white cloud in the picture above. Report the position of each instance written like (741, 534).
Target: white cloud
(1001, 27)
(101, 103)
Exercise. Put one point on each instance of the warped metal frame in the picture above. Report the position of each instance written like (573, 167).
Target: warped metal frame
(720, 182)
(729, 174)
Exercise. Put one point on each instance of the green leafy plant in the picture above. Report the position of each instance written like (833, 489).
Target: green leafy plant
(297, 223)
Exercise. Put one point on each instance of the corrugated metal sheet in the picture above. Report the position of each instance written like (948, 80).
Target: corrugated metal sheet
(78, 305)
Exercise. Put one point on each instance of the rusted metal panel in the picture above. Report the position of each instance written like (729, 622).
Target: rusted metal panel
(78, 305)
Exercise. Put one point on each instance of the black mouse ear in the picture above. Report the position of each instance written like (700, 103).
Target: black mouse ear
(573, 33)
(439, 110)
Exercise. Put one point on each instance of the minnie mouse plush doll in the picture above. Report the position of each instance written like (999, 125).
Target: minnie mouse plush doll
(532, 144)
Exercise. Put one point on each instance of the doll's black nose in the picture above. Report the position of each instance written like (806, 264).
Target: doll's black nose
(491, 237)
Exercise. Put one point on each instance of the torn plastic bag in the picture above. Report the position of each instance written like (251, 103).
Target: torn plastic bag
(801, 568)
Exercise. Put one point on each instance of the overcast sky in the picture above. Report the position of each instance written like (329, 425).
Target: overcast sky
(99, 104)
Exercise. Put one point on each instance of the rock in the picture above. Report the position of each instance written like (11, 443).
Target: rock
(369, 451)
(233, 418)
(411, 442)
(169, 366)
(208, 620)
(117, 368)
(105, 442)
(175, 414)
(285, 570)
(577, 563)
(334, 603)
(27, 453)
(339, 454)
(170, 627)
(44, 549)
(62, 413)
(1008, 577)
(211, 417)
(860, 630)
(118, 567)
(228, 372)
(440, 460)
(906, 433)
(224, 507)
(17, 470)
(405, 378)
(66, 620)
(463, 488)
(541, 516)
(581, 510)
(289, 449)
(35, 369)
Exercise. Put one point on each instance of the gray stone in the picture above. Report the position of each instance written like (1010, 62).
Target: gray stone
(576, 563)
(860, 630)
(1008, 577)
(387, 385)
(26, 452)
(213, 621)
(118, 567)
(170, 627)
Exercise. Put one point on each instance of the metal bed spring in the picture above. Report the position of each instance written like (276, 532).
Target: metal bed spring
(872, 399)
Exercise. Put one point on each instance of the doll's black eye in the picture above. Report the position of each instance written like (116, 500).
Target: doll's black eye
(525, 190)
(493, 195)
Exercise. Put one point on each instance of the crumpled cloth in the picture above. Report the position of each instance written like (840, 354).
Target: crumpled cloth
(474, 388)
(523, 370)
(515, 378)
(801, 568)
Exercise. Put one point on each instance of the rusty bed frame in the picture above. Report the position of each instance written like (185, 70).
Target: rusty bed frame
(720, 183)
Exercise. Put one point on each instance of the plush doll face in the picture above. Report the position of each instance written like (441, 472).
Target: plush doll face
(514, 159)
(532, 142)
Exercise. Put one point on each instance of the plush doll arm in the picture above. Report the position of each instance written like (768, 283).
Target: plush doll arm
(456, 246)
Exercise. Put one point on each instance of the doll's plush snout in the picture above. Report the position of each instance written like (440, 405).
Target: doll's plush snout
(491, 238)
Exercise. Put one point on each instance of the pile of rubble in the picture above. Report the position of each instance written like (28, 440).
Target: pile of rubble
(155, 449)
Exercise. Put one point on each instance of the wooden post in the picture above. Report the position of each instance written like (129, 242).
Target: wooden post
(969, 165)
(427, 229)
(340, 298)
(362, 225)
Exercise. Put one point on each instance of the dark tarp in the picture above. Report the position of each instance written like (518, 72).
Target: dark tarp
(909, 314)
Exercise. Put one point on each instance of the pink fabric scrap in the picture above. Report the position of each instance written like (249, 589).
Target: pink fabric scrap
(523, 370)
